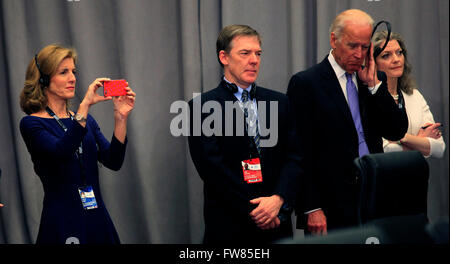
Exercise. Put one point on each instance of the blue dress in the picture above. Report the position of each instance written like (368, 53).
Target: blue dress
(53, 153)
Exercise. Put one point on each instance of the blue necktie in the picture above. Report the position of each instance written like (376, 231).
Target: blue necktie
(353, 102)
(251, 119)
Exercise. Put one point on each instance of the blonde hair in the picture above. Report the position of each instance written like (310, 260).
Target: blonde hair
(33, 97)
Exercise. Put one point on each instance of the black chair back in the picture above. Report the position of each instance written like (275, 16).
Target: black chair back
(392, 184)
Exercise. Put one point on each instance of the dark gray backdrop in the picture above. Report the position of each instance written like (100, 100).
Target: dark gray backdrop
(166, 51)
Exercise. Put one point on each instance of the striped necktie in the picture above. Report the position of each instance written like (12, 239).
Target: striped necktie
(251, 119)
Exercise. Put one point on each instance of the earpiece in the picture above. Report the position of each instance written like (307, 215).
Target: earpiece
(233, 88)
(230, 86)
(44, 79)
(377, 51)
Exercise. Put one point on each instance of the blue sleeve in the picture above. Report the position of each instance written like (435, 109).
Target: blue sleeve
(111, 155)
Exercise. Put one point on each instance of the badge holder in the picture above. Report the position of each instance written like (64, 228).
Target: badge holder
(87, 197)
(252, 170)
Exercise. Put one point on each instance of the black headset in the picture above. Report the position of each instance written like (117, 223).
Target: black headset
(44, 79)
(233, 88)
(377, 51)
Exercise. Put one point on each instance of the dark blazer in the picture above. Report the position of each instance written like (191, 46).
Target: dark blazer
(325, 125)
(218, 162)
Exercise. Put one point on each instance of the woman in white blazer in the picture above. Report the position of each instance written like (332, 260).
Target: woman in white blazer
(423, 133)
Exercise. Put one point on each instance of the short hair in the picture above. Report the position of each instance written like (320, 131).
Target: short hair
(406, 82)
(341, 20)
(32, 98)
(228, 33)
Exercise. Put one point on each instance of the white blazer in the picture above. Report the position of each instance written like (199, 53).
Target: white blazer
(418, 113)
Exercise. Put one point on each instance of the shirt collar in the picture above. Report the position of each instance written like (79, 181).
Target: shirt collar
(238, 94)
(336, 67)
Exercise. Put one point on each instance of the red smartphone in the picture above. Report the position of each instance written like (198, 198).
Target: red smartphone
(114, 88)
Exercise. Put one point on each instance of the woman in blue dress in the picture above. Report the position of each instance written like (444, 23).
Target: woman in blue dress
(65, 147)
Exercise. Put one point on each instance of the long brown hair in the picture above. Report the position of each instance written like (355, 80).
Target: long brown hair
(33, 97)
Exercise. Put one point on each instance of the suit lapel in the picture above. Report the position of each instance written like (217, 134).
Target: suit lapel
(332, 88)
(226, 95)
(261, 96)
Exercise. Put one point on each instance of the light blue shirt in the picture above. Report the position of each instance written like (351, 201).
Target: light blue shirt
(238, 94)
(252, 119)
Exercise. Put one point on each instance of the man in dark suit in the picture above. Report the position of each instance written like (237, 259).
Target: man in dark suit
(249, 183)
(342, 110)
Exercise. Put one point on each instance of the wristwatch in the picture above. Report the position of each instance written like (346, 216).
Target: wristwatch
(80, 118)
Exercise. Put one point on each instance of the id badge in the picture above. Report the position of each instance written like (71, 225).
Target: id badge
(252, 170)
(87, 197)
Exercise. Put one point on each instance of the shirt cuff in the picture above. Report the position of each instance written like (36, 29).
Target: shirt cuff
(392, 147)
(310, 211)
(437, 147)
(374, 89)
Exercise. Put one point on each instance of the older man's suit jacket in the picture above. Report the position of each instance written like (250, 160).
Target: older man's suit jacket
(325, 125)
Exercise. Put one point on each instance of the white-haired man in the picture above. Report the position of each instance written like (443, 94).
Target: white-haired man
(344, 110)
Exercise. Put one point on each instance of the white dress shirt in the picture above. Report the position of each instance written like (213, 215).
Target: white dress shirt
(340, 74)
